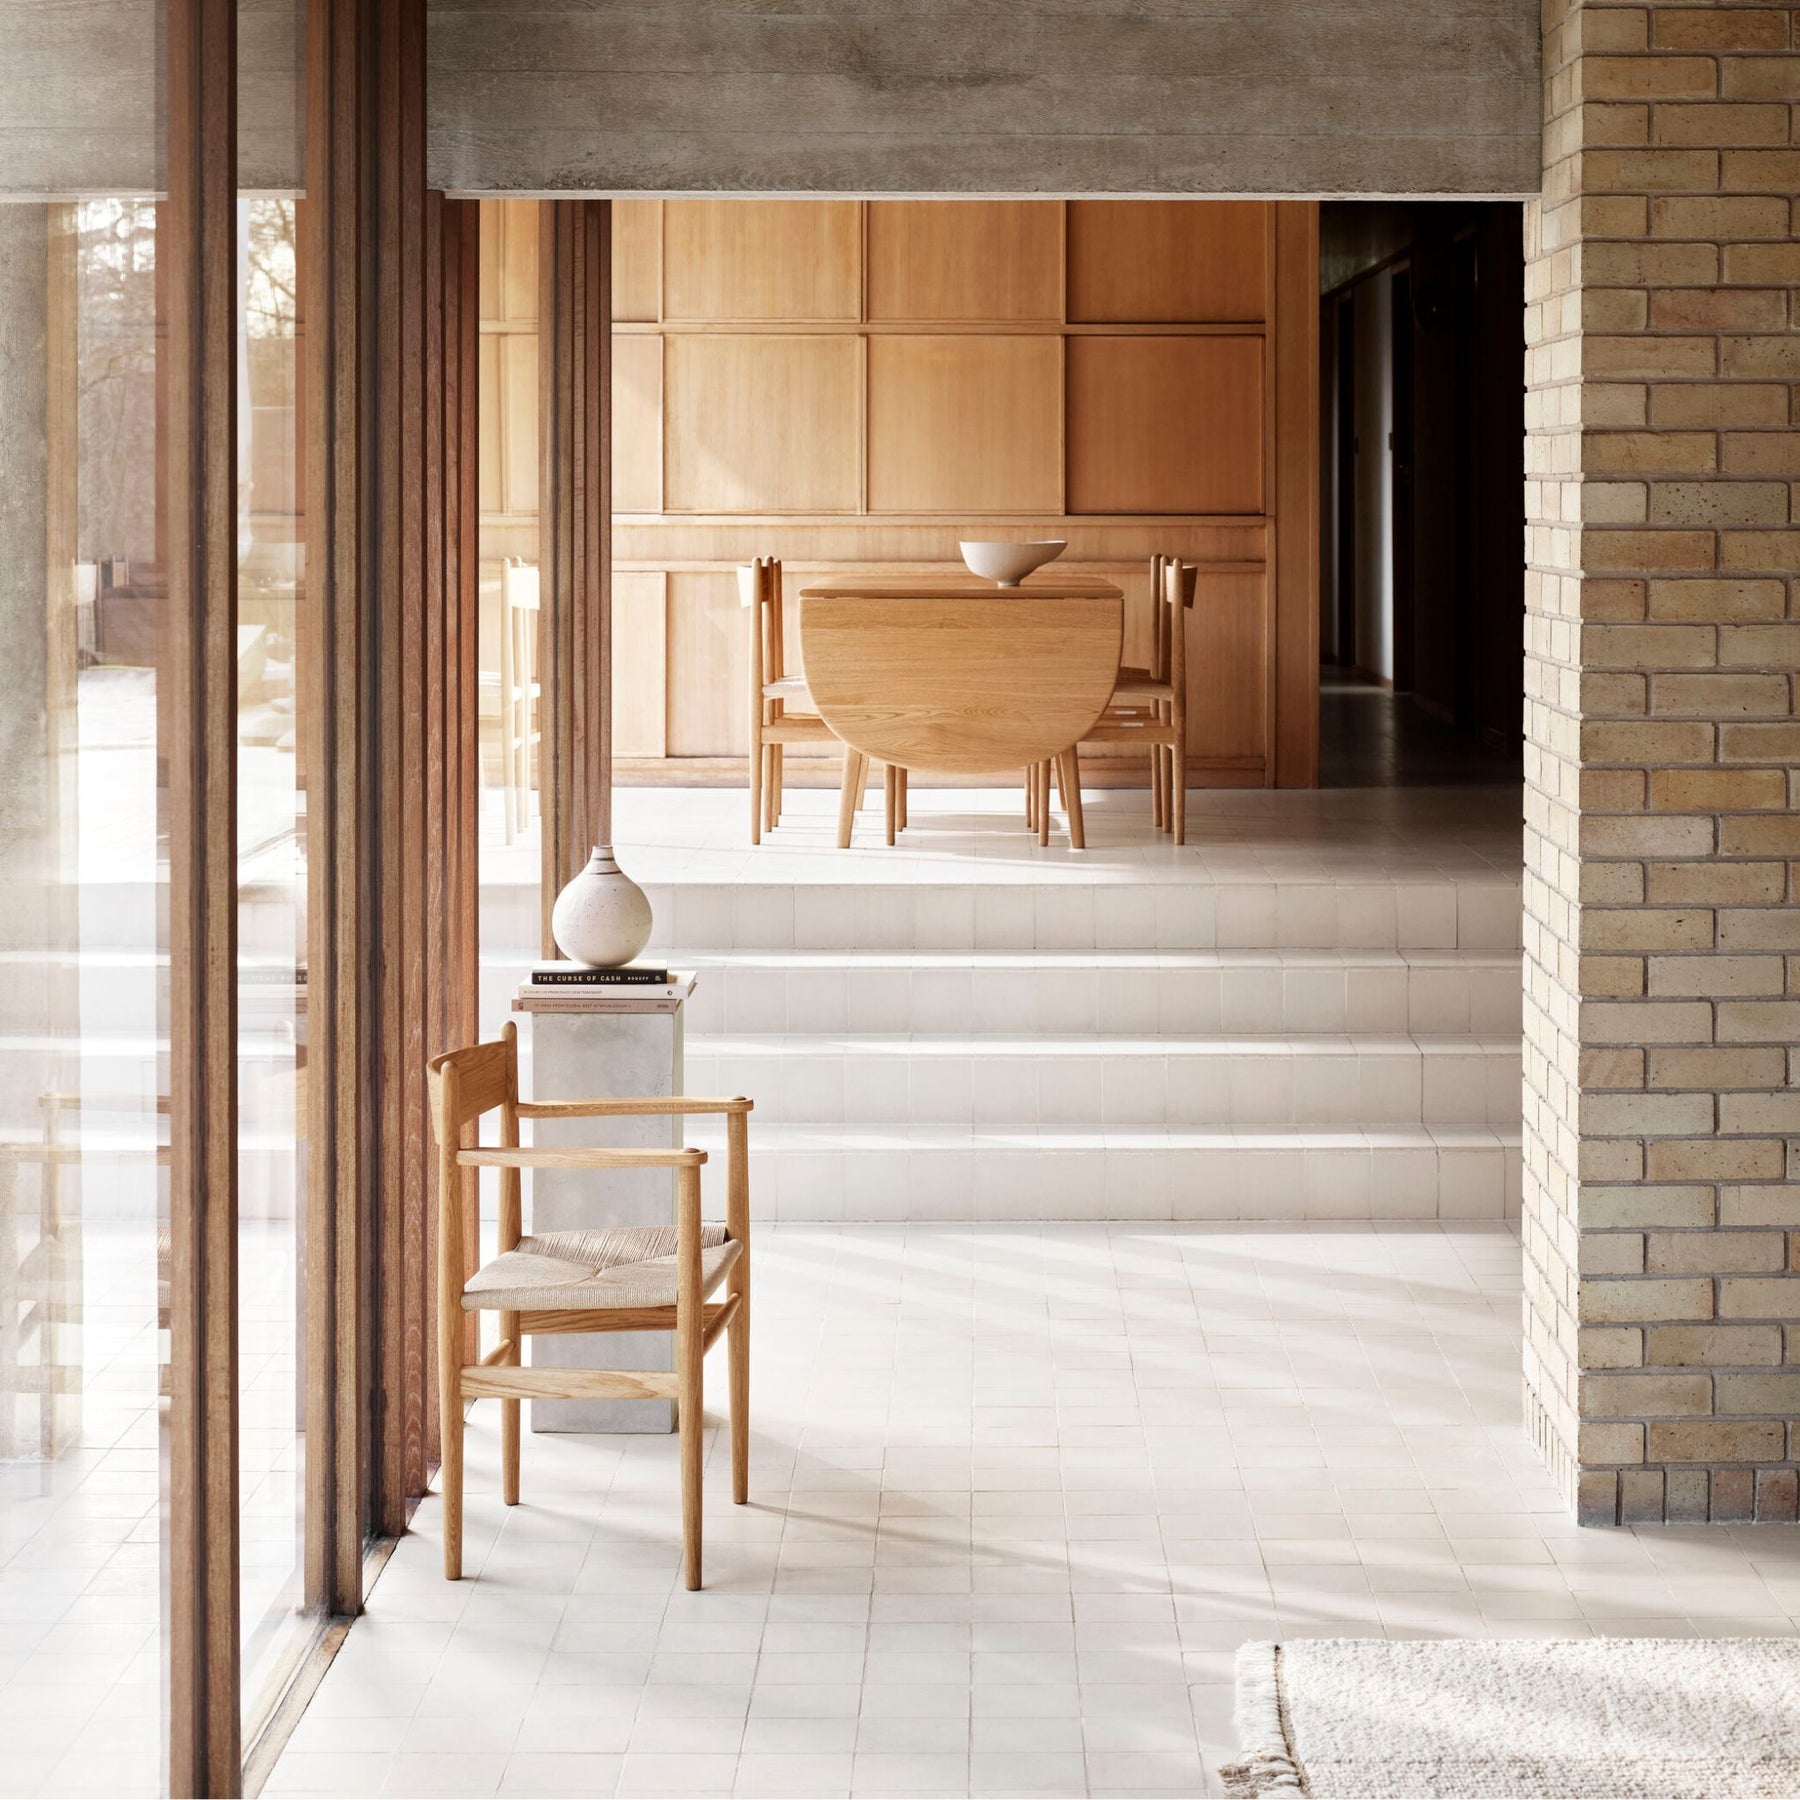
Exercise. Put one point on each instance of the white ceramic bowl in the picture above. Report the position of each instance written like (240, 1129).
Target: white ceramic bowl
(1009, 564)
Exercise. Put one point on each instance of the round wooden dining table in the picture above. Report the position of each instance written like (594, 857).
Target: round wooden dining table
(952, 675)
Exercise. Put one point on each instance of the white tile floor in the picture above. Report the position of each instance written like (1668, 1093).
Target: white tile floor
(1246, 836)
(1017, 1496)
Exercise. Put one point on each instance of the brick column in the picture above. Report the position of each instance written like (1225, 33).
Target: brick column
(1662, 858)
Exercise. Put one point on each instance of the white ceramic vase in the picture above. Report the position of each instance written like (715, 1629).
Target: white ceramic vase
(602, 918)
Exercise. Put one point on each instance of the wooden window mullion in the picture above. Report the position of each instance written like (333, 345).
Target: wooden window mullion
(197, 254)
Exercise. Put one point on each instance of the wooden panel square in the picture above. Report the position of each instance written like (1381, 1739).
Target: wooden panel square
(708, 665)
(637, 422)
(965, 260)
(1166, 262)
(508, 260)
(490, 424)
(760, 260)
(637, 260)
(1165, 425)
(762, 424)
(964, 424)
(639, 658)
(1228, 667)
(519, 408)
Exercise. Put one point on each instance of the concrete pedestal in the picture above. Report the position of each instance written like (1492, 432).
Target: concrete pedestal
(601, 1048)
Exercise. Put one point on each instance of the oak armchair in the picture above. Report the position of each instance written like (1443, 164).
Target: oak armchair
(620, 1278)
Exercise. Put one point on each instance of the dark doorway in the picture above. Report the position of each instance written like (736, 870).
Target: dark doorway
(1421, 584)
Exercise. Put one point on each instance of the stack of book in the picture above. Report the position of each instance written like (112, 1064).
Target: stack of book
(584, 977)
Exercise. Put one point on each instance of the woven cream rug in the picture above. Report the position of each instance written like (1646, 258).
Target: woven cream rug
(1560, 1719)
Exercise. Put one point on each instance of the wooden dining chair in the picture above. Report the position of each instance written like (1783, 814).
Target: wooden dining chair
(781, 709)
(614, 1278)
(1149, 705)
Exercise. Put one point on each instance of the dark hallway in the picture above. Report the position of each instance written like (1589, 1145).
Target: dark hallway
(1422, 415)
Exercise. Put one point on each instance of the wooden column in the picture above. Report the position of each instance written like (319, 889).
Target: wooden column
(197, 258)
(338, 687)
(461, 269)
(391, 278)
(575, 522)
(1295, 351)
(401, 923)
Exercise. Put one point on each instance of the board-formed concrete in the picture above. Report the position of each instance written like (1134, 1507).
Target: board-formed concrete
(81, 104)
(844, 96)
(968, 97)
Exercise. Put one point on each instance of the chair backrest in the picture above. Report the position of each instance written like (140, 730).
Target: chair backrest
(520, 602)
(1159, 620)
(1179, 581)
(759, 592)
(464, 1084)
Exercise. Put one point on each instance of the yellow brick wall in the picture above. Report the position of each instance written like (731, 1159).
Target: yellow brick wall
(1662, 1099)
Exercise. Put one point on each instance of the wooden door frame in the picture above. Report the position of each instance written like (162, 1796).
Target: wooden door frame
(197, 260)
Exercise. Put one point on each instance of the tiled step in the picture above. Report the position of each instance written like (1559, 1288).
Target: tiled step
(108, 1166)
(117, 990)
(120, 1075)
(1060, 1080)
(1427, 913)
(1121, 991)
(996, 1172)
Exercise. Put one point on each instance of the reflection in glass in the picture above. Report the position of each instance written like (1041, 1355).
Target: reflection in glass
(84, 1245)
(271, 948)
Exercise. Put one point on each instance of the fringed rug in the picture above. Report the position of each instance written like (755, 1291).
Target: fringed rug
(1557, 1719)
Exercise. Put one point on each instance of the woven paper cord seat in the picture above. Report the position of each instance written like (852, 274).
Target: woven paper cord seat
(624, 1265)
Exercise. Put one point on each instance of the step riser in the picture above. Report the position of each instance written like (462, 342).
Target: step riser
(111, 1189)
(1377, 915)
(1000, 1183)
(1019, 1087)
(1477, 998)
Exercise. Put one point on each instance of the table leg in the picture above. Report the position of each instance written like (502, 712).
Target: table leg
(855, 770)
(1069, 775)
(890, 782)
(1043, 781)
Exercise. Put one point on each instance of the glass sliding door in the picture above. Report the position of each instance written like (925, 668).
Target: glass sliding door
(272, 1019)
(84, 1197)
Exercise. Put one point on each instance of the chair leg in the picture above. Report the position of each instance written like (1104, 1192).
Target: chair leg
(855, 763)
(756, 789)
(1178, 777)
(509, 1418)
(777, 760)
(691, 1419)
(737, 1350)
(1156, 786)
(450, 1436)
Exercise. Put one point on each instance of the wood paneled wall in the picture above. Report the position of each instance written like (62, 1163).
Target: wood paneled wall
(839, 382)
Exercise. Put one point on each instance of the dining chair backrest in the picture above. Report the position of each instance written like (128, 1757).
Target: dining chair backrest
(1176, 599)
(759, 592)
(1159, 621)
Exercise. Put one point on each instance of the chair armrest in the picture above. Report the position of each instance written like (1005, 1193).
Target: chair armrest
(602, 1109)
(579, 1158)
